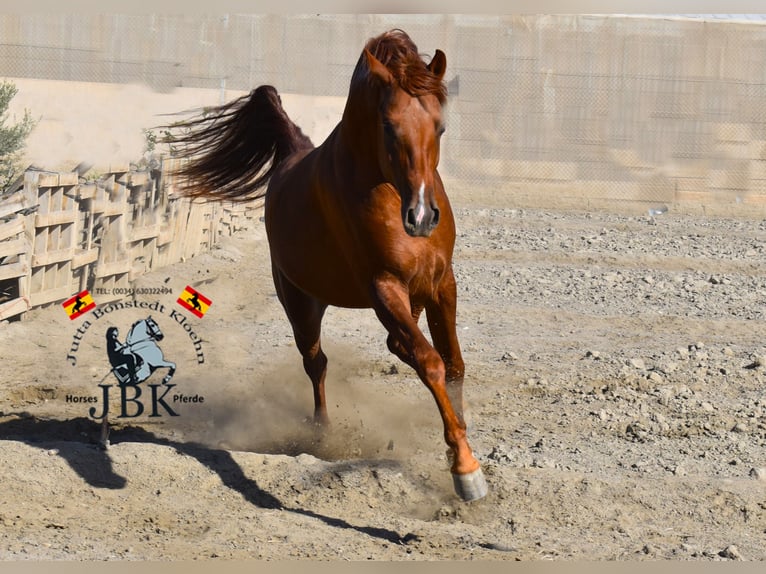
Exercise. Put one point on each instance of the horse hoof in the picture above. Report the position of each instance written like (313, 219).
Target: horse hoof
(471, 486)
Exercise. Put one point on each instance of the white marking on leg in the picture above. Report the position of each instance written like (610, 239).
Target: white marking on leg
(421, 212)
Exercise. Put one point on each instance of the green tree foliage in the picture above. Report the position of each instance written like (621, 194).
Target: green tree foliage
(12, 135)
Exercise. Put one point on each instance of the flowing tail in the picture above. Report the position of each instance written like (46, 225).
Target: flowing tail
(229, 147)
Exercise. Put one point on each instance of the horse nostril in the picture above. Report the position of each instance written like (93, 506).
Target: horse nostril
(411, 217)
(435, 218)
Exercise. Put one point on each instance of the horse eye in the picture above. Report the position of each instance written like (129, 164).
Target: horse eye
(440, 131)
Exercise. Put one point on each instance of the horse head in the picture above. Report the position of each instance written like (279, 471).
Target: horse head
(144, 329)
(409, 95)
(153, 329)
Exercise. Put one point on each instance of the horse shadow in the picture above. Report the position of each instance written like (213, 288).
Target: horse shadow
(77, 442)
(68, 439)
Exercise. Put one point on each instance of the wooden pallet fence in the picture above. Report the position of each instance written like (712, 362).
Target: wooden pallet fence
(60, 234)
(112, 267)
(52, 276)
(15, 246)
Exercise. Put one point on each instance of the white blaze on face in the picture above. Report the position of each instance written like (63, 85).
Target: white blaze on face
(421, 209)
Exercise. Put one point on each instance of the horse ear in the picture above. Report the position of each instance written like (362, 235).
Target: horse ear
(438, 64)
(377, 69)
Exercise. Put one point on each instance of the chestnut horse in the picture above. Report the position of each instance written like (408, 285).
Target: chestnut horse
(361, 221)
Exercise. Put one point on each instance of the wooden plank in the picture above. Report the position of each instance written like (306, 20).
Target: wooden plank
(87, 191)
(14, 307)
(68, 238)
(12, 228)
(181, 230)
(50, 296)
(52, 256)
(137, 178)
(98, 205)
(165, 236)
(194, 231)
(13, 247)
(40, 242)
(12, 204)
(43, 199)
(50, 274)
(35, 282)
(13, 270)
(65, 277)
(54, 233)
(57, 200)
(114, 268)
(108, 208)
(144, 232)
(84, 258)
(46, 179)
(69, 178)
(55, 218)
(31, 177)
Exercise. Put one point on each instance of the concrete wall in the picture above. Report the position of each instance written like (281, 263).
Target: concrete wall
(103, 124)
(594, 108)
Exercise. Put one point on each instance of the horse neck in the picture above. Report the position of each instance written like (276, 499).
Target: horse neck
(135, 334)
(356, 133)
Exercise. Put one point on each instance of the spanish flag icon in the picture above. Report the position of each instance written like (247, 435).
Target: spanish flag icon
(79, 304)
(194, 301)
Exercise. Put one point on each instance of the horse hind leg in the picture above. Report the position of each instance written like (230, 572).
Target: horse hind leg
(315, 365)
(305, 314)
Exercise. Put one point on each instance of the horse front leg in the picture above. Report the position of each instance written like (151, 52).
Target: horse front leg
(395, 346)
(392, 306)
(441, 314)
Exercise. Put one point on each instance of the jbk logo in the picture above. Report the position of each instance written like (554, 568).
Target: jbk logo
(126, 389)
(133, 362)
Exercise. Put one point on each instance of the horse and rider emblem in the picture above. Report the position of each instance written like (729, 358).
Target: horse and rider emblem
(135, 360)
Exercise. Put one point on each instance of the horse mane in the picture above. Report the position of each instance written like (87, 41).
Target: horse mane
(399, 54)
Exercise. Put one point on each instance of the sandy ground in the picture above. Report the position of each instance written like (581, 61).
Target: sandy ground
(615, 381)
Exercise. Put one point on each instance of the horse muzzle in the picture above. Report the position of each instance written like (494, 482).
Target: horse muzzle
(421, 220)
